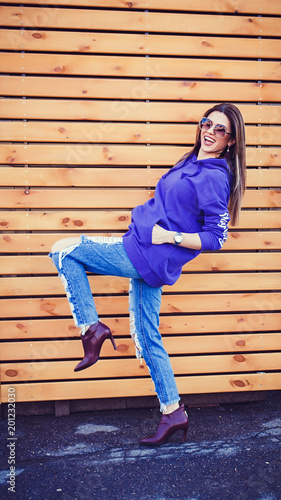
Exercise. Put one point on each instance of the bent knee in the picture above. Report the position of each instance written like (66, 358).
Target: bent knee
(64, 243)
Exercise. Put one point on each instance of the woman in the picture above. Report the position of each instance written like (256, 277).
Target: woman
(189, 213)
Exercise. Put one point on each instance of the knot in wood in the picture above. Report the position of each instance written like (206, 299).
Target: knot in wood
(58, 69)
(11, 373)
(10, 159)
(239, 383)
(20, 326)
(122, 348)
(239, 358)
(240, 343)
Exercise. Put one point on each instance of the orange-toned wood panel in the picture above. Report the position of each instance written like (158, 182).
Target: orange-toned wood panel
(182, 365)
(111, 198)
(172, 323)
(186, 90)
(138, 21)
(47, 391)
(119, 43)
(66, 349)
(125, 155)
(229, 6)
(204, 262)
(38, 243)
(84, 198)
(109, 220)
(152, 67)
(87, 110)
(111, 177)
(203, 282)
(54, 307)
(117, 132)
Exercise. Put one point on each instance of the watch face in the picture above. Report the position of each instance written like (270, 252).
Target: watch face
(178, 238)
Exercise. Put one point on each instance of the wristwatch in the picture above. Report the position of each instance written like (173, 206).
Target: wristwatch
(178, 238)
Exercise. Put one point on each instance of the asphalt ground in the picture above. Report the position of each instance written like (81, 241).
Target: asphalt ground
(232, 452)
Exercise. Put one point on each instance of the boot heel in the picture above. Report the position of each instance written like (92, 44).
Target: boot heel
(113, 341)
(184, 434)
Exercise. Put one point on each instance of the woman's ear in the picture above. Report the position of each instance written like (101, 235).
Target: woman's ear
(231, 142)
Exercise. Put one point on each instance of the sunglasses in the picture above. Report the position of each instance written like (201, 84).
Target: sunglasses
(219, 131)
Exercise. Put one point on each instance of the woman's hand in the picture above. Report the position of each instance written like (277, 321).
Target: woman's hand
(161, 235)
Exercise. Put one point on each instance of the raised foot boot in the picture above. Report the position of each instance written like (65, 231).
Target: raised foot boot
(175, 421)
(92, 342)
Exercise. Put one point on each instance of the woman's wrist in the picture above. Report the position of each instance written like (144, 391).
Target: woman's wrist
(171, 237)
(190, 240)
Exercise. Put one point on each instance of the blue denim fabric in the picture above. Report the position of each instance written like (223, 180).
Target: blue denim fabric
(106, 255)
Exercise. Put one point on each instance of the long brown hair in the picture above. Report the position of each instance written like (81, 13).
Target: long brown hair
(236, 157)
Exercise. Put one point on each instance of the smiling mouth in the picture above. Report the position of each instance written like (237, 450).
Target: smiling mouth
(208, 140)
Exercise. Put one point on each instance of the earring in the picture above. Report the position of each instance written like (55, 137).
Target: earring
(227, 149)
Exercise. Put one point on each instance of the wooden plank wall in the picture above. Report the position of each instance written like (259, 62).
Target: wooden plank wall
(98, 99)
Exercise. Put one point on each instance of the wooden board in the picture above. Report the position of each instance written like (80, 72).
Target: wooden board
(111, 198)
(143, 44)
(217, 282)
(229, 6)
(42, 242)
(111, 177)
(205, 262)
(55, 307)
(72, 349)
(138, 21)
(108, 154)
(49, 391)
(108, 220)
(182, 365)
(133, 89)
(152, 67)
(173, 320)
(149, 111)
(135, 133)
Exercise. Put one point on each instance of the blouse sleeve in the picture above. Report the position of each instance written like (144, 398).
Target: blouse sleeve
(213, 198)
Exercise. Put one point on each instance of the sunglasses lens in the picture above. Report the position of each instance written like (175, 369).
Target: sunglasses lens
(205, 124)
(219, 131)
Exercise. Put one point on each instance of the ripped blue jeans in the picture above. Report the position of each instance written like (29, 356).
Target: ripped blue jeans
(107, 256)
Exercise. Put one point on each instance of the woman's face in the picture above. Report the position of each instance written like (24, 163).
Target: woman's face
(211, 145)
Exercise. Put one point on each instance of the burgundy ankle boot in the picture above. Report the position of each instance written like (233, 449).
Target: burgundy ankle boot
(92, 342)
(175, 421)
